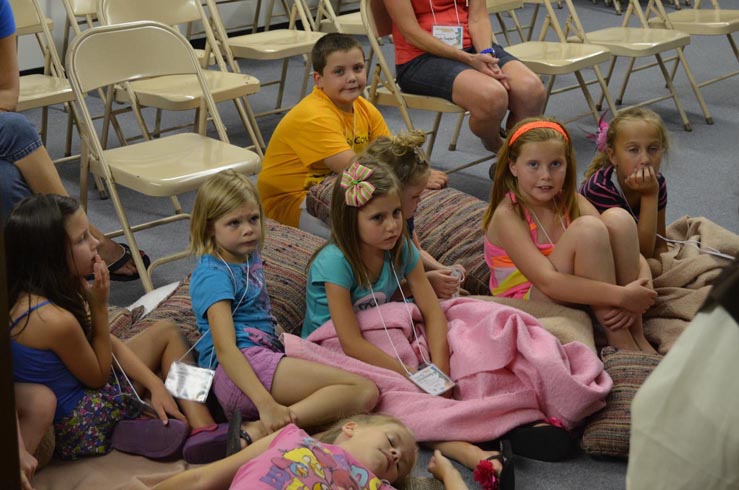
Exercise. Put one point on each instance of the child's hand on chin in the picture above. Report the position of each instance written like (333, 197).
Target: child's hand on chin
(97, 291)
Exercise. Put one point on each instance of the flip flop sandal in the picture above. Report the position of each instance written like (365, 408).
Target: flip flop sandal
(542, 442)
(123, 260)
(235, 434)
(206, 444)
(150, 438)
(485, 474)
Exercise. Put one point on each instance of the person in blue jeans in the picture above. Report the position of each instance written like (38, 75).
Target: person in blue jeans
(25, 165)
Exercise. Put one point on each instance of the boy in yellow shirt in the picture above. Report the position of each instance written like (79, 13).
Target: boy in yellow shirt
(322, 133)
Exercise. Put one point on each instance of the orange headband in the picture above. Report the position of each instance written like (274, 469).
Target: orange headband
(537, 124)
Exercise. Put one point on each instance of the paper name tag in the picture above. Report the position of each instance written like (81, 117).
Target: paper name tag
(189, 382)
(451, 35)
(432, 380)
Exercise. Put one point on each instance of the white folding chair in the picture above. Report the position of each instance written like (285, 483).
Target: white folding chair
(50, 87)
(176, 93)
(641, 42)
(277, 44)
(105, 56)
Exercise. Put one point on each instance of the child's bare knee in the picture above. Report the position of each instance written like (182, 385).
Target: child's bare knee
(618, 220)
(590, 228)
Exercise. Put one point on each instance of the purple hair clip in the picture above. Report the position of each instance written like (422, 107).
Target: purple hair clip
(600, 136)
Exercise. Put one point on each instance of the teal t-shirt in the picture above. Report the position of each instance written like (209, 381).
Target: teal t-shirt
(214, 280)
(331, 266)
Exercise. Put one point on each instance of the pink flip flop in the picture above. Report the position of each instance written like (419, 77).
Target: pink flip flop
(150, 438)
(206, 444)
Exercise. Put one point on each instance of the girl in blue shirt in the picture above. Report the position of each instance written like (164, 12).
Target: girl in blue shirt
(229, 297)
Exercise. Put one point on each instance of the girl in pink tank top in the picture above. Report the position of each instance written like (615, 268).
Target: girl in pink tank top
(534, 206)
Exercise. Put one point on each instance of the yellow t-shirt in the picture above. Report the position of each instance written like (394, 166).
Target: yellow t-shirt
(312, 131)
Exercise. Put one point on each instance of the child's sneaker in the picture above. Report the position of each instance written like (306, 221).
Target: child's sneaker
(150, 438)
(206, 444)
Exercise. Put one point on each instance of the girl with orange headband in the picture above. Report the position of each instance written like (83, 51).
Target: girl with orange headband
(545, 241)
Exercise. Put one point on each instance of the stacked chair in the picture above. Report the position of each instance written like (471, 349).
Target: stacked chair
(120, 55)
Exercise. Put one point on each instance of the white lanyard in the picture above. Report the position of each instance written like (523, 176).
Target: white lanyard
(701, 247)
(544, 230)
(433, 14)
(429, 377)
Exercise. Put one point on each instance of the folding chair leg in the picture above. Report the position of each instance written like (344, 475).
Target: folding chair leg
(605, 93)
(306, 76)
(550, 84)
(457, 129)
(678, 104)
(125, 225)
(44, 123)
(281, 90)
(84, 173)
(251, 130)
(586, 93)
(607, 81)
(70, 128)
(158, 123)
(621, 92)
(696, 89)
(176, 204)
(432, 134)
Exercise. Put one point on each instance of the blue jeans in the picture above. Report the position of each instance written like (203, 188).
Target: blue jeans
(18, 139)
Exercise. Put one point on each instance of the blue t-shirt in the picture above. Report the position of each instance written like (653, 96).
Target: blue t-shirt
(214, 280)
(330, 265)
(7, 22)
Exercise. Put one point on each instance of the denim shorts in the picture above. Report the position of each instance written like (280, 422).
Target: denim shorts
(18, 139)
(432, 75)
(264, 362)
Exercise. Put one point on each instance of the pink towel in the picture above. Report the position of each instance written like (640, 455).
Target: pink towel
(509, 370)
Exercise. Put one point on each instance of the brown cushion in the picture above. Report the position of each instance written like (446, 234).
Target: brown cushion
(607, 432)
(448, 223)
(449, 227)
(285, 255)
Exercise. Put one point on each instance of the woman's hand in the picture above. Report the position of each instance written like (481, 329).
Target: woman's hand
(164, 405)
(638, 297)
(643, 180)
(276, 416)
(487, 64)
(97, 293)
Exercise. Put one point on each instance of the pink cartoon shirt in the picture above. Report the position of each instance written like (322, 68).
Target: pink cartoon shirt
(296, 460)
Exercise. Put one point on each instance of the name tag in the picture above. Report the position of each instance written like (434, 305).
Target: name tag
(432, 380)
(189, 382)
(451, 35)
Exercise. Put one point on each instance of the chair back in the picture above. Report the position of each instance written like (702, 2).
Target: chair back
(170, 12)
(106, 55)
(82, 7)
(30, 19)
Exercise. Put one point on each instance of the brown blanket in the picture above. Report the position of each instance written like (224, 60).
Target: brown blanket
(683, 277)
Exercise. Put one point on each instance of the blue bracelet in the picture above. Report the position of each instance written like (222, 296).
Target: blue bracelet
(490, 51)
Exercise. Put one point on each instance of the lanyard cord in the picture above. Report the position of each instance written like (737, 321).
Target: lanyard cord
(384, 326)
(123, 373)
(541, 227)
(695, 243)
(233, 278)
(433, 14)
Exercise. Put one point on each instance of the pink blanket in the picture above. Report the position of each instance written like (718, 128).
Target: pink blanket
(509, 370)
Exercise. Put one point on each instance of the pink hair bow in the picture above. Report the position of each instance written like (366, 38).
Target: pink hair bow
(601, 136)
(358, 190)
